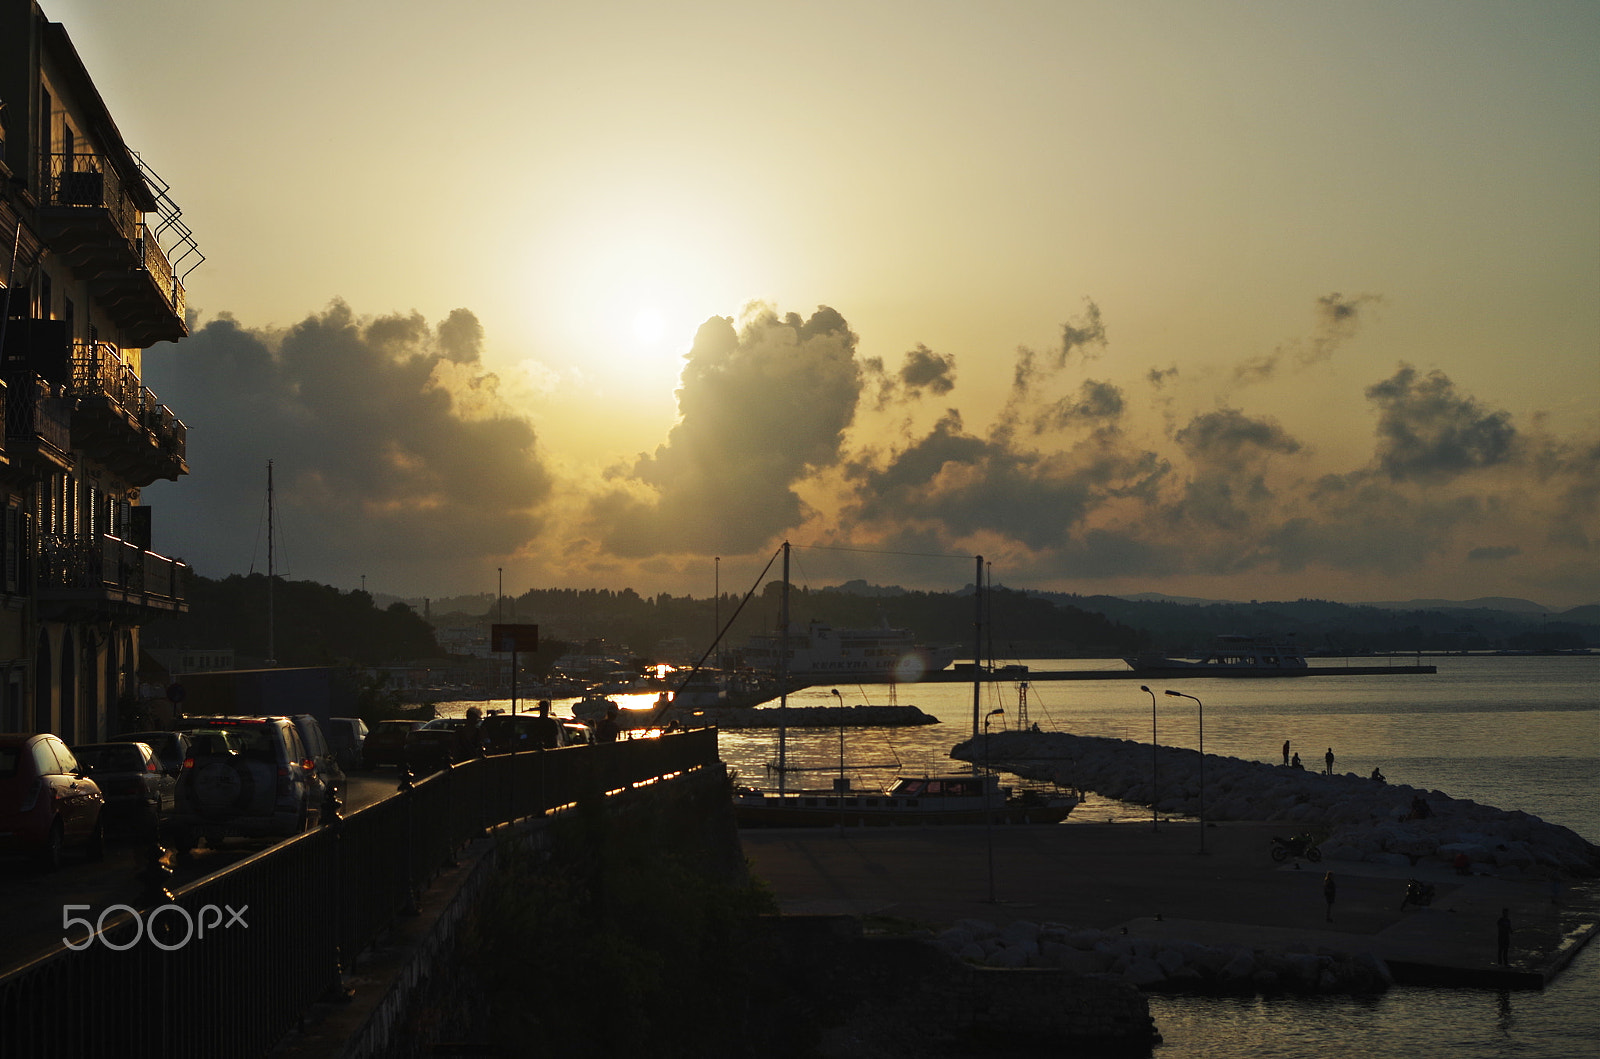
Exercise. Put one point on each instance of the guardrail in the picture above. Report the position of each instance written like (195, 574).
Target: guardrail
(236, 960)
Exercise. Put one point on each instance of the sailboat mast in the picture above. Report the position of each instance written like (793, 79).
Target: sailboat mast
(783, 676)
(272, 648)
(977, 644)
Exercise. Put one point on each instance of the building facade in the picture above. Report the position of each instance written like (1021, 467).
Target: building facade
(92, 254)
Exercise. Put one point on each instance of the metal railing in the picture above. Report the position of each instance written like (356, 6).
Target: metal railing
(33, 412)
(287, 919)
(85, 181)
(109, 562)
(98, 370)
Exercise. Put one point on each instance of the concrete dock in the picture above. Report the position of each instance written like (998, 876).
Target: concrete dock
(1156, 882)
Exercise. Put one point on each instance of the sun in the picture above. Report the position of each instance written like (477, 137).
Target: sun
(649, 326)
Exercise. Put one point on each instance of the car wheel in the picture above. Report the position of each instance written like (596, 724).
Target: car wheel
(95, 848)
(50, 853)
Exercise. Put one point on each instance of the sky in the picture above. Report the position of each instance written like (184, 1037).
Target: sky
(1227, 300)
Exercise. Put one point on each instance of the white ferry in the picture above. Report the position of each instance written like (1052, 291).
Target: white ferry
(818, 652)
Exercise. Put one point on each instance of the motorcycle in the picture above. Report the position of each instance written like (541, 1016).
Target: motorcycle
(1296, 846)
(1417, 893)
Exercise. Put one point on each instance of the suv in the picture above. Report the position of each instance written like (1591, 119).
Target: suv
(250, 776)
(171, 747)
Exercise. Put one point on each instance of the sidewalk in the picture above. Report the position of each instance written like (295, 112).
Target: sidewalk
(1158, 884)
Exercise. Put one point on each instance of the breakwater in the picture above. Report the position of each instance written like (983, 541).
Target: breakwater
(1359, 819)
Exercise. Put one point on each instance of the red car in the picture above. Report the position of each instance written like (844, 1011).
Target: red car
(46, 803)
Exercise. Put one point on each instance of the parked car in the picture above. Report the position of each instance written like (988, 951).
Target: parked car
(505, 732)
(345, 735)
(136, 788)
(576, 733)
(250, 776)
(386, 743)
(170, 747)
(433, 746)
(46, 802)
(329, 774)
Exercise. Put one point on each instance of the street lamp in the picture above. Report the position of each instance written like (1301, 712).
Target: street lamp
(1202, 715)
(1155, 821)
(988, 798)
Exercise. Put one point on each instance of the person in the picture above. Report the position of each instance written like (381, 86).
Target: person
(1286, 751)
(1503, 937)
(609, 727)
(1377, 774)
(470, 736)
(546, 732)
(1328, 892)
(1295, 763)
(1328, 757)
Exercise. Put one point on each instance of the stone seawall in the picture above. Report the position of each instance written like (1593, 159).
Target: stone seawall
(1356, 818)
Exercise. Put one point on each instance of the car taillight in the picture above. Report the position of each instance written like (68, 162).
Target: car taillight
(150, 766)
(188, 763)
(309, 765)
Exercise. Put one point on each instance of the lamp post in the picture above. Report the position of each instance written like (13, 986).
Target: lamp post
(988, 799)
(1202, 716)
(1155, 821)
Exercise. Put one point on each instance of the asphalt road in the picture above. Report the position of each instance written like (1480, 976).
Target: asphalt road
(35, 900)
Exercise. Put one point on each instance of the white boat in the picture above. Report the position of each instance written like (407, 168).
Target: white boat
(1232, 656)
(920, 801)
(819, 652)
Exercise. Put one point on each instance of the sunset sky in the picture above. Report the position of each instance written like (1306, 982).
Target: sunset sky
(1233, 300)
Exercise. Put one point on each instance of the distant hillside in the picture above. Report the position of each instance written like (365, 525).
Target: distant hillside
(1339, 628)
(1505, 603)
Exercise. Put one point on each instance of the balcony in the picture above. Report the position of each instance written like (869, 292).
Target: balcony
(92, 222)
(118, 421)
(86, 578)
(37, 427)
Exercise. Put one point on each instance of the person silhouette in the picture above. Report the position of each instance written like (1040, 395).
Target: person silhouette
(1286, 751)
(1295, 762)
(1328, 757)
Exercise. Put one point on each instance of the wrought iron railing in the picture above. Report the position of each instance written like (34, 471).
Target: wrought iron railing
(109, 562)
(308, 905)
(98, 370)
(85, 181)
(33, 412)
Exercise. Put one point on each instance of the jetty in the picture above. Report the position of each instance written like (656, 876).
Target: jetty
(963, 674)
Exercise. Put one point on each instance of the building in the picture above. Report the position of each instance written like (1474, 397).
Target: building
(92, 254)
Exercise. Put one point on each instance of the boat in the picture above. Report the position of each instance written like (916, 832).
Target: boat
(819, 652)
(919, 801)
(1231, 656)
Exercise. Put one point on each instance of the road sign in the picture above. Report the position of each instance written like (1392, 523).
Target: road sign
(513, 638)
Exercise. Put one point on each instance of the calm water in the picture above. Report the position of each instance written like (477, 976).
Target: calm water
(1516, 733)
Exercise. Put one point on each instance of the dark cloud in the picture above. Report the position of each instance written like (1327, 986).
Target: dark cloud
(1096, 402)
(1337, 320)
(922, 372)
(392, 454)
(1084, 337)
(761, 408)
(1229, 434)
(1429, 432)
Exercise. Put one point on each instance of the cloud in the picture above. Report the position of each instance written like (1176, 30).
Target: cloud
(1429, 432)
(922, 372)
(1493, 554)
(762, 407)
(391, 449)
(1337, 320)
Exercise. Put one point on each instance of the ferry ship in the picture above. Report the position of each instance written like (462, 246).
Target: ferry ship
(1232, 656)
(818, 653)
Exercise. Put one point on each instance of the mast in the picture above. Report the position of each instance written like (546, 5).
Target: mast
(977, 644)
(783, 677)
(272, 648)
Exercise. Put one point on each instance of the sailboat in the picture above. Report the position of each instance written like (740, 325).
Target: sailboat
(975, 797)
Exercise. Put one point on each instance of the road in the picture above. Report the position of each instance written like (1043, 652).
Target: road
(34, 900)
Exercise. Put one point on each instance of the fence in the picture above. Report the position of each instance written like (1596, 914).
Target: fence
(236, 959)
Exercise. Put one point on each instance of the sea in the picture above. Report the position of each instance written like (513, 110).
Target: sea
(1514, 732)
